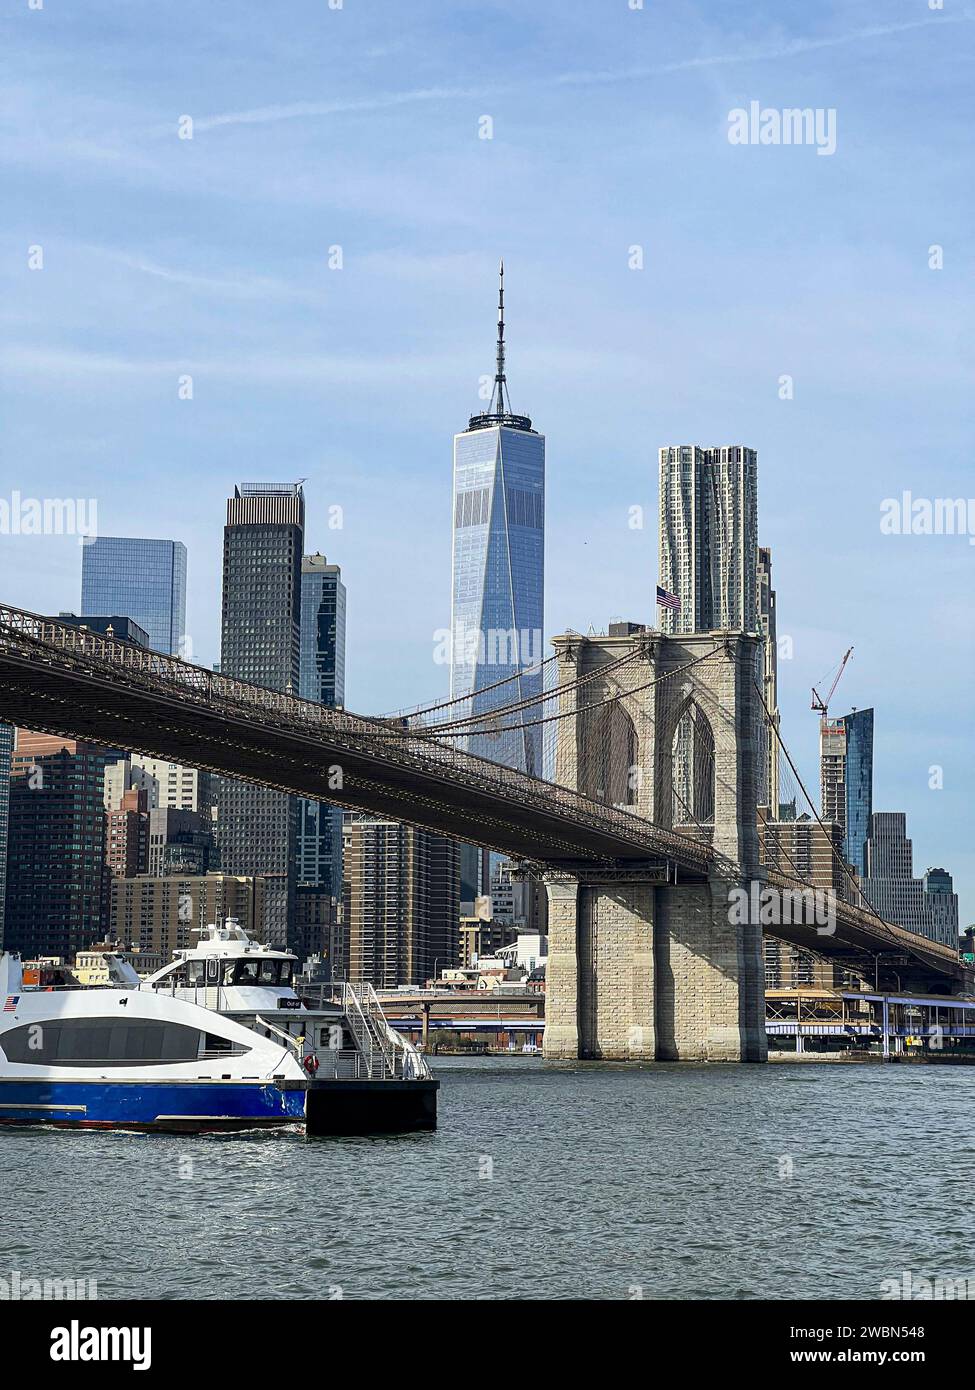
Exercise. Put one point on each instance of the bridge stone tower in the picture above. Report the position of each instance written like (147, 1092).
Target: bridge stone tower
(646, 959)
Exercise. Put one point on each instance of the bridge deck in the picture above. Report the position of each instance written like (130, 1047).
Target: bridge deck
(77, 684)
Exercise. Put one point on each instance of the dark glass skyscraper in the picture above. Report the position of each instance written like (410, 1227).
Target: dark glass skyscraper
(321, 678)
(498, 584)
(262, 549)
(859, 786)
(143, 579)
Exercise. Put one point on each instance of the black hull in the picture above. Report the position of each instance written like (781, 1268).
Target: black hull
(370, 1107)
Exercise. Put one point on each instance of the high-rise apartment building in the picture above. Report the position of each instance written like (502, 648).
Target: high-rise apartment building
(143, 579)
(260, 640)
(832, 771)
(127, 835)
(498, 570)
(805, 849)
(163, 915)
(168, 785)
(322, 679)
(57, 879)
(708, 540)
(401, 894)
(925, 905)
(770, 676)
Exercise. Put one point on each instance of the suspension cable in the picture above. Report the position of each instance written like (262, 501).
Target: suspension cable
(572, 713)
(457, 699)
(436, 730)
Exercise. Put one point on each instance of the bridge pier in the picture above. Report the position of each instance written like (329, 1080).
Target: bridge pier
(639, 971)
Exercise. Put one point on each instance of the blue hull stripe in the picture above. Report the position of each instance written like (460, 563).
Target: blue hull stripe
(154, 1103)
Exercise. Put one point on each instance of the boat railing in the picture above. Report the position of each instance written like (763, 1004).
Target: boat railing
(385, 1052)
(378, 1055)
(407, 1062)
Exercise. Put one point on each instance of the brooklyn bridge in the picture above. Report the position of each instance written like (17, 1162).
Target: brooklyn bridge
(646, 832)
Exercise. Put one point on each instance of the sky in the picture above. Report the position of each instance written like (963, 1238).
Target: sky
(661, 282)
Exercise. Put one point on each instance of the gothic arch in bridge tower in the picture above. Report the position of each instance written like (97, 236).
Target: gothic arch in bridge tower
(684, 762)
(608, 751)
(692, 766)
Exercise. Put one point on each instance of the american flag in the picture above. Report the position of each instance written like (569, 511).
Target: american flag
(11, 1003)
(666, 600)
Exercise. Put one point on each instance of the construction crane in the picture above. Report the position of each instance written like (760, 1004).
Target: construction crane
(818, 703)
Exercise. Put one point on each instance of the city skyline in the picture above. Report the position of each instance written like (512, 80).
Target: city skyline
(616, 361)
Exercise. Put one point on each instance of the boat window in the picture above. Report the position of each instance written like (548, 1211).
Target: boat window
(246, 972)
(269, 972)
(91, 1042)
(196, 972)
(286, 968)
(215, 1046)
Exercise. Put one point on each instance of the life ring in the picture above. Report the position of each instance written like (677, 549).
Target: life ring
(311, 1064)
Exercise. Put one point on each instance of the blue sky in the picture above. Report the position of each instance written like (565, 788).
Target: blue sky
(315, 127)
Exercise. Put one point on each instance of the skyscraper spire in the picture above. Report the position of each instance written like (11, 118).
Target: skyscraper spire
(499, 406)
(499, 381)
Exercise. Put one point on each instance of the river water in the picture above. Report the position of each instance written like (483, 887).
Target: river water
(543, 1181)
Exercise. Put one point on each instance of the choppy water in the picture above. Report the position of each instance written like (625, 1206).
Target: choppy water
(543, 1181)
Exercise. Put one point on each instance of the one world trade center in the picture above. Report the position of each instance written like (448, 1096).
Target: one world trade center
(498, 576)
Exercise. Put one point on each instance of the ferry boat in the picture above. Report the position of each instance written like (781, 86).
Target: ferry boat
(363, 1076)
(116, 1057)
(339, 1067)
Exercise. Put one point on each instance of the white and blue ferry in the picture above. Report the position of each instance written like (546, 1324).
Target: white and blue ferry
(217, 1040)
(125, 1057)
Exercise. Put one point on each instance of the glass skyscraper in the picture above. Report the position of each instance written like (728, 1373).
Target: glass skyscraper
(263, 542)
(858, 774)
(321, 678)
(498, 582)
(143, 579)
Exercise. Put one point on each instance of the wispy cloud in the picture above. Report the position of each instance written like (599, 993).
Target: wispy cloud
(246, 287)
(263, 115)
(383, 101)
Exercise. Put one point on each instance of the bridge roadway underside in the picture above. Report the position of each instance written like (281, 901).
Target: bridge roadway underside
(71, 703)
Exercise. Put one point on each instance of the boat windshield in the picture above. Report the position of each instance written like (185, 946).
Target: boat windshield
(258, 972)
